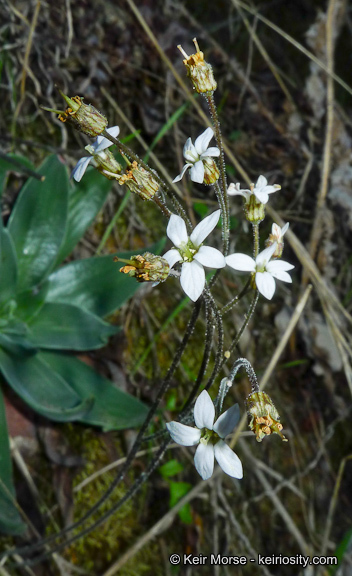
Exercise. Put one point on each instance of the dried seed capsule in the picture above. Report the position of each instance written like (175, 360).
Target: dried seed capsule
(84, 117)
(146, 268)
(199, 71)
(139, 181)
(264, 418)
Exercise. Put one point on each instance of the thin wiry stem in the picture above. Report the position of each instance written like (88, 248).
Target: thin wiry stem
(223, 181)
(236, 299)
(162, 389)
(255, 240)
(249, 314)
(209, 333)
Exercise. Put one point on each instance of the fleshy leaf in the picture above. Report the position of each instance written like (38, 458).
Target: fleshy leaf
(85, 200)
(8, 266)
(42, 389)
(66, 327)
(113, 409)
(95, 284)
(38, 222)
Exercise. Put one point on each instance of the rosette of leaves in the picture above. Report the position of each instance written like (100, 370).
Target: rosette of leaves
(47, 309)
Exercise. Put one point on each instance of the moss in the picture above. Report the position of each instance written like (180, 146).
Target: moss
(99, 549)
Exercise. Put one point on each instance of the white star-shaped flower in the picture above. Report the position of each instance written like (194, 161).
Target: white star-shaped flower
(98, 146)
(261, 190)
(192, 254)
(195, 156)
(277, 235)
(265, 270)
(210, 437)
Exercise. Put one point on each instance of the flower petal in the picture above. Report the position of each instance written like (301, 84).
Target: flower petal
(180, 176)
(261, 182)
(182, 434)
(203, 229)
(210, 257)
(101, 142)
(285, 228)
(265, 255)
(227, 460)
(189, 151)
(227, 421)
(204, 460)
(265, 284)
(204, 411)
(261, 196)
(235, 190)
(176, 230)
(201, 143)
(240, 262)
(172, 256)
(212, 151)
(271, 189)
(197, 172)
(192, 279)
(278, 266)
(281, 275)
(80, 168)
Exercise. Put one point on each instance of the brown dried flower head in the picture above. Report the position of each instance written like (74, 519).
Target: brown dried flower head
(146, 268)
(140, 181)
(264, 418)
(199, 71)
(84, 117)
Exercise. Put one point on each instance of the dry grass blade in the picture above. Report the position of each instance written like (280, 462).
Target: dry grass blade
(159, 526)
(280, 508)
(332, 506)
(25, 69)
(265, 54)
(296, 44)
(326, 166)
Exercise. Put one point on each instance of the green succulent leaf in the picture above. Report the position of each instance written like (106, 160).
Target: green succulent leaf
(29, 303)
(113, 409)
(85, 200)
(67, 327)
(95, 284)
(13, 338)
(8, 267)
(38, 222)
(10, 519)
(42, 388)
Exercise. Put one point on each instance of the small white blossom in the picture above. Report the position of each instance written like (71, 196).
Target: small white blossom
(261, 190)
(95, 149)
(265, 270)
(210, 437)
(192, 254)
(278, 233)
(198, 154)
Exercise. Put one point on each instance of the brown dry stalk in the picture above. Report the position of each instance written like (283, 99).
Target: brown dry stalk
(316, 232)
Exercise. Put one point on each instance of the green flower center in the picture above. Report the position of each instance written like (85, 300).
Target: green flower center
(188, 250)
(209, 436)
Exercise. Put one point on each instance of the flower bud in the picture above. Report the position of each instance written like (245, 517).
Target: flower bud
(277, 235)
(84, 117)
(139, 181)
(254, 210)
(264, 418)
(105, 162)
(199, 71)
(211, 171)
(146, 268)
